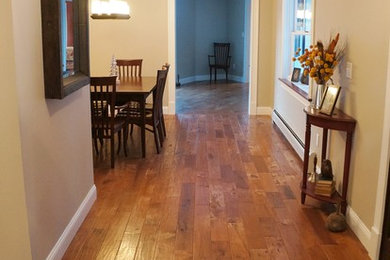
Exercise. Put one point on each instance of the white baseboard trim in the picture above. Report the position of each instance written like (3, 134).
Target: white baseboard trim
(264, 111)
(165, 110)
(359, 228)
(375, 243)
(70, 231)
(288, 135)
(207, 77)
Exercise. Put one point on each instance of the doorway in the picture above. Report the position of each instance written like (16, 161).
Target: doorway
(250, 72)
(198, 25)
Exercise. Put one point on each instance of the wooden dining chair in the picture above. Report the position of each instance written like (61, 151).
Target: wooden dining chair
(129, 68)
(104, 122)
(152, 117)
(220, 59)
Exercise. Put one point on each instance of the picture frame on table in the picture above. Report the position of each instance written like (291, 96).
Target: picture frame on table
(295, 75)
(305, 79)
(329, 99)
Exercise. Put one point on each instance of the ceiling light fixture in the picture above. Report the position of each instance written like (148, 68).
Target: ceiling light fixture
(112, 9)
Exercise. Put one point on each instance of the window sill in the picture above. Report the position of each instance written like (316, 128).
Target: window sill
(299, 88)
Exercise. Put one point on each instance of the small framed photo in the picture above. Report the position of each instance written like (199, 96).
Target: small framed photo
(295, 75)
(329, 99)
(305, 79)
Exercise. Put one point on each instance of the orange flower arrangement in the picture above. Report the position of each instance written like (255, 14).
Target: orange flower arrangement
(319, 62)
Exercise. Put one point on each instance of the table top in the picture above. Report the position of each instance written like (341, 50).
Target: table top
(136, 85)
(337, 115)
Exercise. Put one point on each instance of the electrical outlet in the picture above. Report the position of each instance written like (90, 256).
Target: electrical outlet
(348, 70)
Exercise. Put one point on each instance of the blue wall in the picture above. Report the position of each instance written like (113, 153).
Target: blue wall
(199, 23)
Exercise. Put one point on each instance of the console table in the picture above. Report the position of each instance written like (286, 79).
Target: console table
(338, 121)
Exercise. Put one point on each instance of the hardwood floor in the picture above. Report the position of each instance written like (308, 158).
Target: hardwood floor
(225, 186)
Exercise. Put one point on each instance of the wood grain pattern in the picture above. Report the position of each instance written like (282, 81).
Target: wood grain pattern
(225, 186)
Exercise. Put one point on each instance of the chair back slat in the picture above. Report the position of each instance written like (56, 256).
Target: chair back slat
(129, 68)
(221, 53)
(103, 97)
(159, 91)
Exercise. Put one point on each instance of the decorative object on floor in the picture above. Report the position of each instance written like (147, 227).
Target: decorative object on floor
(319, 63)
(336, 222)
(295, 75)
(329, 99)
(112, 9)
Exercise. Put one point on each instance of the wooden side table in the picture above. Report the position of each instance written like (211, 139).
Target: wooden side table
(338, 121)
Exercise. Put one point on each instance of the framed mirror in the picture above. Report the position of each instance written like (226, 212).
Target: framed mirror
(65, 46)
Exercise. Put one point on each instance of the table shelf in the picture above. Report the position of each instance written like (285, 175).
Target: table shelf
(309, 190)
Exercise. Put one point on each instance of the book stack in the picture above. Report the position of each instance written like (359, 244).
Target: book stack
(324, 188)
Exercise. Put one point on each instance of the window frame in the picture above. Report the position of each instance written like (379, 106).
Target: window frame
(293, 33)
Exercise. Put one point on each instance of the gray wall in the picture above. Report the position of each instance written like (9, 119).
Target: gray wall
(199, 23)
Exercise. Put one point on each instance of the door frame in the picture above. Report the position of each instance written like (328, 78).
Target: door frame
(253, 57)
(380, 204)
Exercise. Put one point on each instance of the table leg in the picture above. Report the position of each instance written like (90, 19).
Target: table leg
(305, 160)
(347, 161)
(143, 146)
(324, 144)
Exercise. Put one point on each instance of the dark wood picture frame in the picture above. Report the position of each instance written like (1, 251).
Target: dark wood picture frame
(295, 75)
(56, 86)
(329, 99)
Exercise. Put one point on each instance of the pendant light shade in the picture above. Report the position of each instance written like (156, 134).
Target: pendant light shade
(112, 9)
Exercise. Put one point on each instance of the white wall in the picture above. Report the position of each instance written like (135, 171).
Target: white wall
(144, 35)
(14, 236)
(55, 138)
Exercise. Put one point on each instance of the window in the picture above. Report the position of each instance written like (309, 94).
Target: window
(301, 34)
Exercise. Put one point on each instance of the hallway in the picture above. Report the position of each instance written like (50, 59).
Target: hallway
(225, 185)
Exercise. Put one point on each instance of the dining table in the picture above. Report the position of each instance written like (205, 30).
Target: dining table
(136, 89)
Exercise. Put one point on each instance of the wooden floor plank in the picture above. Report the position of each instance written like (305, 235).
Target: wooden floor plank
(225, 186)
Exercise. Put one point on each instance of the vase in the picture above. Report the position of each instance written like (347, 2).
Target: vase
(318, 95)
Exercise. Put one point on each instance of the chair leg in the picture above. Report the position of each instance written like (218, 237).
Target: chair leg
(96, 145)
(215, 74)
(112, 151)
(211, 73)
(131, 129)
(156, 139)
(163, 125)
(119, 141)
(125, 136)
(226, 71)
(160, 134)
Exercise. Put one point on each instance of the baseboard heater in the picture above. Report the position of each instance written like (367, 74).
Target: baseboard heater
(289, 129)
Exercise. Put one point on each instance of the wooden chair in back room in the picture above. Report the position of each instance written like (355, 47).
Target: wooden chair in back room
(220, 59)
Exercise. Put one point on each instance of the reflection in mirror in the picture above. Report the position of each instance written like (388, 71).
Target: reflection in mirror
(67, 38)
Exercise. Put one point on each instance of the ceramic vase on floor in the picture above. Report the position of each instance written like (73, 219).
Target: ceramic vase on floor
(319, 92)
